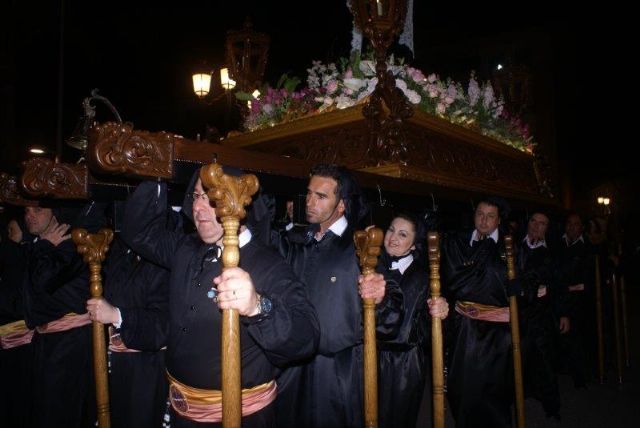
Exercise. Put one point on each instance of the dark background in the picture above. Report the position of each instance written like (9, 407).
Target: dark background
(141, 56)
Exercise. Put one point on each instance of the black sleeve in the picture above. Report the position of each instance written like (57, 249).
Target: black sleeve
(290, 331)
(390, 311)
(144, 228)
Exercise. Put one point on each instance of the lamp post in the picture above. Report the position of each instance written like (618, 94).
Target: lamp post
(604, 202)
(246, 54)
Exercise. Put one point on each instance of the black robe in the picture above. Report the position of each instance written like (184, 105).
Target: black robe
(480, 378)
(327, 390)
(403, 364)
(57, 283)
(538, 327)
(579, 345)
(16, 364)
(288, 332)
(137, 380)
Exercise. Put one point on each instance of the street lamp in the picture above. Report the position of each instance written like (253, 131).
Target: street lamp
(604, 202)
(246, 53)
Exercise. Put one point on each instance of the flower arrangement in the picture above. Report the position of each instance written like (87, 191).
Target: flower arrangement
(331, 86)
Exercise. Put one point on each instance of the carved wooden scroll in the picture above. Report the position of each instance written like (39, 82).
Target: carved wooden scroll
(231, 194)
(368, 249)
(93, 248)
(9, 192)
(119, 149)
(46, 178)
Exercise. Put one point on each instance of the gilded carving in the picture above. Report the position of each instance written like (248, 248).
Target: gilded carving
(118, 148)
(46, 178)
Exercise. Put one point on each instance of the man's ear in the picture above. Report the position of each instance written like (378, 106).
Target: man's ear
(341, 207)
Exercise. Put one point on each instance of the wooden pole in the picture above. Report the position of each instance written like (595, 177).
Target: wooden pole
(515, 334)
(231, 195)
(625, 329)
(368, 249)
(616, 322)
(599, 321)
(94, 249)
(437, 358)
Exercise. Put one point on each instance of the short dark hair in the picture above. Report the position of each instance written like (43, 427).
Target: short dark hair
(347, 189)
(330, 170)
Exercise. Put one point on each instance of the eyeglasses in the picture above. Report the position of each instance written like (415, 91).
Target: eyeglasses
(195, 196)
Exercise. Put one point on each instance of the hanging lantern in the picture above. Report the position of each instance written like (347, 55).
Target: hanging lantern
(202, 84)
(246, 54)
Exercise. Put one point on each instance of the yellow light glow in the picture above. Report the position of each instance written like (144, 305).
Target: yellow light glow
(201, 84)
(600, 200)
(606, 201)
(256, 94)
(226, 82)
(36, 151)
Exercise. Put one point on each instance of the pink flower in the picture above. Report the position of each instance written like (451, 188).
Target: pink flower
(432, 78)
(416, 74)
(440, 108)
(348, 74)
(332, 86)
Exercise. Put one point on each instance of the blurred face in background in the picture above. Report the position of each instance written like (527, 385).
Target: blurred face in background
(537, 227)
(400, 237)
(486, 219)
(37, 219)
(573, 227)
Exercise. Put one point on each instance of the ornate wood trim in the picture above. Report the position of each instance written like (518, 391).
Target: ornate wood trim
(45, 178)
(119, 149)
(9, 192)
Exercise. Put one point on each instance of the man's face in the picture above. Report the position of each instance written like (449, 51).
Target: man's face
(537, 227)
(486, 218)
(323, 206)
(573, 227)
(204, 216)
(37, 219)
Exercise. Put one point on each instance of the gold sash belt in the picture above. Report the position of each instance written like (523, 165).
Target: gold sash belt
(205, 405)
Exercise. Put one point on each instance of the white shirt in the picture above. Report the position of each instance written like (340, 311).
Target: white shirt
(402, 264)
(533, 246)
(338, 227)
(475, 236)
(566, 240)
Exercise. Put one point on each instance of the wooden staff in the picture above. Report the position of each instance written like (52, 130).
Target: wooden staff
(437, 359)
(94, 249)
(368, 249)
(231, 195)
(599, 321)
(515, 334)
(623, 298)
(616, 322)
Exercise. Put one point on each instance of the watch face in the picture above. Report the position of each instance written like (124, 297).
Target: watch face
(265, 305)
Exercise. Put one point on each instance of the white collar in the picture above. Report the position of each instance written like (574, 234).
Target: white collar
(475, 236)
(540, 243)
(339, 226)
(402, 264)
(566, 240)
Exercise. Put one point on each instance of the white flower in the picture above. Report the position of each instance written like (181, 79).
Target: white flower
(368, 68)
(354, 84)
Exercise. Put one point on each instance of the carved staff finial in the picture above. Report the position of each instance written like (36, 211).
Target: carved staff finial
(368, 249)
(231, 194)
(93, 248)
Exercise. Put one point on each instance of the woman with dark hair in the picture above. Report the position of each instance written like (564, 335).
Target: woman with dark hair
(402, 361)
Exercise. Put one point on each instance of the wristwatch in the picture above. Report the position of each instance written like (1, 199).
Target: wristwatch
(264, 305)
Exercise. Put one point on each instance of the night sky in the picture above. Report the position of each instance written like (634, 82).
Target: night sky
(141, 57)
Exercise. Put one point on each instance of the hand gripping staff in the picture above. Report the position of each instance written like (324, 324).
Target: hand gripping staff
(231, 195)
(93, 248)
(515, 334)
(437, 359)
(368, 249)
